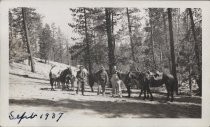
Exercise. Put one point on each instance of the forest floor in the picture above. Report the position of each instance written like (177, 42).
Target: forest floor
(31, 92)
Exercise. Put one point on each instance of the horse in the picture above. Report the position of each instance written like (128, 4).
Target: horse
(158, 79)
(59, 77)
(143, 81)
(54, 76)
(95, 78)
(63, 77)
(149, 79)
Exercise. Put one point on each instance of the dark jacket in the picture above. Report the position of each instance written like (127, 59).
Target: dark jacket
(81, 75)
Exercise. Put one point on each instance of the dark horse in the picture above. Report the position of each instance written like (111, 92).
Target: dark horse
(148, 80)
(143, 80)
(62, 77)
(94, 78)
(165, 78)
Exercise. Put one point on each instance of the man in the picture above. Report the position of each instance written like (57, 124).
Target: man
(116, 82)
(115, 71)
(103, 80)
(81, 76)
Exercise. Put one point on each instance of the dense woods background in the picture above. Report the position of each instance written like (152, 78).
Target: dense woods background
(132, 38)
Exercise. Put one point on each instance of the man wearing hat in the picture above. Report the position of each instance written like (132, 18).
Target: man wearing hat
(116, 82)
(81, 76)
(103, 80)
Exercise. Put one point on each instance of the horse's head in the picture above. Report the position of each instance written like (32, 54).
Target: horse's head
(127, 79)
(129, 76)
(69, 71)
(66, 72)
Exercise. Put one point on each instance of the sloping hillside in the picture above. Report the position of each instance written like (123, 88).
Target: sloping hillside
(42, 69)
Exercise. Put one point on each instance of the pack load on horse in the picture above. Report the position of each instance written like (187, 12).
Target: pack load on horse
(57, 76)
(54, 76)
(65, 74)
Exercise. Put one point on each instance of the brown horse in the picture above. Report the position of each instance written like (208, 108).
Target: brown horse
(158, 79)
(94, 78)
(149, 79)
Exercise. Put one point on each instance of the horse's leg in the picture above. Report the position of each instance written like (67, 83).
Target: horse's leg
(144, 90)
(72, 85)
(149, 91)
(51, 83)
(141, 91)
(63, 85)
(119, 89)
(99, 89)
(113, 88)
(172, 92)
(103, 88)
(58, 84)
(91, 83)
(83, 88)
(92, 89)
(172, 96)
(78, 86)
(54, 83)
(67, 85)
(168, 90)
(129, 90)
(91, 86)
(147, 94)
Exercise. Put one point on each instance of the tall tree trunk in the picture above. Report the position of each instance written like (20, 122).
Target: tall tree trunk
(189, 78)
(130, 35)
(87, 44)
(53, 44)
(172, 47)
(61, 48)
(11, 39)
(161, 54)
(67, 51)
(112, 24)
(196, 48)
(110, 43)
(178, 17)
(151, 39)
(166, 40)
(27, 38)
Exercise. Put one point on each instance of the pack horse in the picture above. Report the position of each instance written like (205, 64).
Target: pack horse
(63, 77)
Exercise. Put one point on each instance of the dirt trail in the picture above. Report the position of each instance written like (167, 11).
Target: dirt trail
(29, 94)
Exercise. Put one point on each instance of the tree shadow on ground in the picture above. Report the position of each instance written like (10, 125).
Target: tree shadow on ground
(119, 108)
(162, 98)
(27, 76)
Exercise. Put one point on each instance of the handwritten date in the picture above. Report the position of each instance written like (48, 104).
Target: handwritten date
(25, 115)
